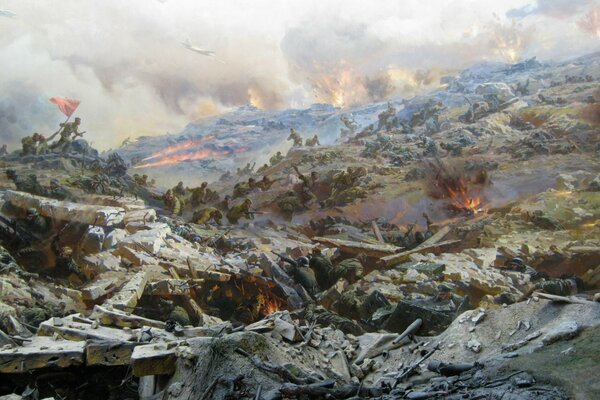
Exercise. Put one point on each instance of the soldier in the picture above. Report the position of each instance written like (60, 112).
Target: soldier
(386, 118)
(173, 204)
(225, 204)
(295, 137)
(262, 169)
(28, 184)
(243, 188)
(300, 272)
(65, 265)
(199, 195)
(41, 145)
(266, 183)
(36, 223)
(561, 286)
(314, 141)
(276, 159)
(179, 189)
(288, 204)
(322, 266)
(308, 186)
(28, 143)
(342, 181)
(3, 150)
(204, 216)
(240, 211)
(56, 191)
(66, 130)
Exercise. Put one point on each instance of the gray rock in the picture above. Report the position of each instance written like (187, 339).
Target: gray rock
(565, 331)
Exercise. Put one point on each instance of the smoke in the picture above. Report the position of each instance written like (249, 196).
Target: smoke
(126, 63)
(560, 9)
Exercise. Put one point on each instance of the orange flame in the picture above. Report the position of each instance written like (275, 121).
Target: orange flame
(268, 304)
(196, 155)
(178, 147)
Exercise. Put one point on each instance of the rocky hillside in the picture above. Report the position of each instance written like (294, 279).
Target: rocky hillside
(445, 246)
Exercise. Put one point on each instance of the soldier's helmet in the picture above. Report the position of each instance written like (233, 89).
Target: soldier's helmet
(227, 197)
(302, 261)
(204, 184)
(248, 202)
(278, 153)
(443, 288)
(77, 119)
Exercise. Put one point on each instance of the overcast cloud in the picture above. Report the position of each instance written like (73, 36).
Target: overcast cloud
(125, 62)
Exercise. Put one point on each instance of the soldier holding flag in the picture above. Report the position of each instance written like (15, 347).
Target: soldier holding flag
(67, 107)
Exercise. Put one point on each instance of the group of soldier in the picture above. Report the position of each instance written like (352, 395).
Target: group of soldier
(297, 139)
(37, 144)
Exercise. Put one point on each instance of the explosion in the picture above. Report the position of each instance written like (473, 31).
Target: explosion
(342, 88)
(591, 22)
(461, 192)
(509, 40)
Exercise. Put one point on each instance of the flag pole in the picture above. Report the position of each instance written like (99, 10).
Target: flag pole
(59, 129)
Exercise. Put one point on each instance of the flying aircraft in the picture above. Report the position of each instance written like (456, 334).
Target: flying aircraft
(7, 14)
(191, 47)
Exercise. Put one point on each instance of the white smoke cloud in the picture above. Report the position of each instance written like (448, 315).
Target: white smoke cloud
(125, 62)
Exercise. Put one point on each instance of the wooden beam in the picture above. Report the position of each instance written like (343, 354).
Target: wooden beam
(405, 256)
(377, 232)
(351, 247)
(41, 352)
(120, 319)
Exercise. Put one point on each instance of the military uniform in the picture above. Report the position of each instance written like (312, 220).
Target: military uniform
(179, 190)
(314, 141)
(322, 267)
(240, 211)
(67, 129)
(295, 137)
(27, 184)
(173, 204)
(204, 216)
(288, 204)
(28, 144)
(199, 195)
(265, 184)
(58, 192)
(276, 159)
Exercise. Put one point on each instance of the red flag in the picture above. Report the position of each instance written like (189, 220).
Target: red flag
(66, 106)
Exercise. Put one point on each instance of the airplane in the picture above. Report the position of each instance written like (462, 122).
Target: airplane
(7, 14)
(191, 47)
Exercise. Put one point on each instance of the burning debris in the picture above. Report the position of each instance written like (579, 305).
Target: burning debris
(461, 190)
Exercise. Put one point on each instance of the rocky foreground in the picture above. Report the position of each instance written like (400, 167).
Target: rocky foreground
(104, 293)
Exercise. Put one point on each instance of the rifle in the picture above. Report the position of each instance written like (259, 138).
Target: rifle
(212, 241)
(255, 212)
(285, 258)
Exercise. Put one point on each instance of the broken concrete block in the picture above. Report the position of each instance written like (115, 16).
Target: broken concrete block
(137, 258)
(122, 319)
(102, 262)
(108, 352)
(113, 238)
(127, 298)
(92, 240)
(144, 216)
(41, 352)
(287, 330)
(99, 289)
(66, 211)
(153, 359)
(149, 241)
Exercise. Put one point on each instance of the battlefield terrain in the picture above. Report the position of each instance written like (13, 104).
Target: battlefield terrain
(442, 246)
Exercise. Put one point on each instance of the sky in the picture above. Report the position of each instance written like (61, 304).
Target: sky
(125, 61)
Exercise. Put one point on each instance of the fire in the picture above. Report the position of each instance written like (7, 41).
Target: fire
(509, 40)
(461, 191)
(181, 146)
(591, 22)
(195, 155)
(268, 304)
(342, 88)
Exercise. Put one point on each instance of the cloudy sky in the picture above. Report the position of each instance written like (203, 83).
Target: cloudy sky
(124, 59)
